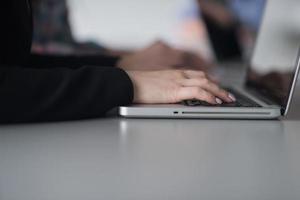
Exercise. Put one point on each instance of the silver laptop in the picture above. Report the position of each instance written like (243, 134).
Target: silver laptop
(269, 83)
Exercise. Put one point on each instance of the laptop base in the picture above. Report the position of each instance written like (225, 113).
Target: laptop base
(181, 111)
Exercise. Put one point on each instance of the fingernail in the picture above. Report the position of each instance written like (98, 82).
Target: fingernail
(232, 97)
(219, 101)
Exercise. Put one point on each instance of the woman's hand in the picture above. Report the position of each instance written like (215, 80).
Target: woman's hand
(173, 86)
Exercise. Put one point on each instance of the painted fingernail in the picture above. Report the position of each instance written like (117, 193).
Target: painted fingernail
(232, 97)
(219, 101)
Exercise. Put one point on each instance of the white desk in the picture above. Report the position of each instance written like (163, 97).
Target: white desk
(136, 159)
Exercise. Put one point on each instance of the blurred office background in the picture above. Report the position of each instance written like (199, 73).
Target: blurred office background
(184, 24)
(137, 23)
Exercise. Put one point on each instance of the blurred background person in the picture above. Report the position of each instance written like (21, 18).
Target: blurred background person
(53, 35)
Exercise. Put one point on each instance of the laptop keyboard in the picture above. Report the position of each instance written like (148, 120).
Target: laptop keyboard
(241, 101)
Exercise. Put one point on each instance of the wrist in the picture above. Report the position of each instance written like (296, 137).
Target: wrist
(132, 75)
(123, 62)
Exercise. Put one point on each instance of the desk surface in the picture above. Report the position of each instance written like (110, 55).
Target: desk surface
(136, 159)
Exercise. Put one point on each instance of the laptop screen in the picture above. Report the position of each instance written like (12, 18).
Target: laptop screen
(273, 65)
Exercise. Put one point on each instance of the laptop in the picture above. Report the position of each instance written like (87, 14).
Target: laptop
(268, 86)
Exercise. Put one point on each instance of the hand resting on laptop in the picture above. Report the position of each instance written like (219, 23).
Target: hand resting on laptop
(173, 86)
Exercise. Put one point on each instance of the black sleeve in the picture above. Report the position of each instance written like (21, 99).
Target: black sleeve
(28, 95)
(71, 61)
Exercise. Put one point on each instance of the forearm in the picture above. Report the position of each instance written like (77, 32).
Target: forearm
(71, 61)
(29, 95)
